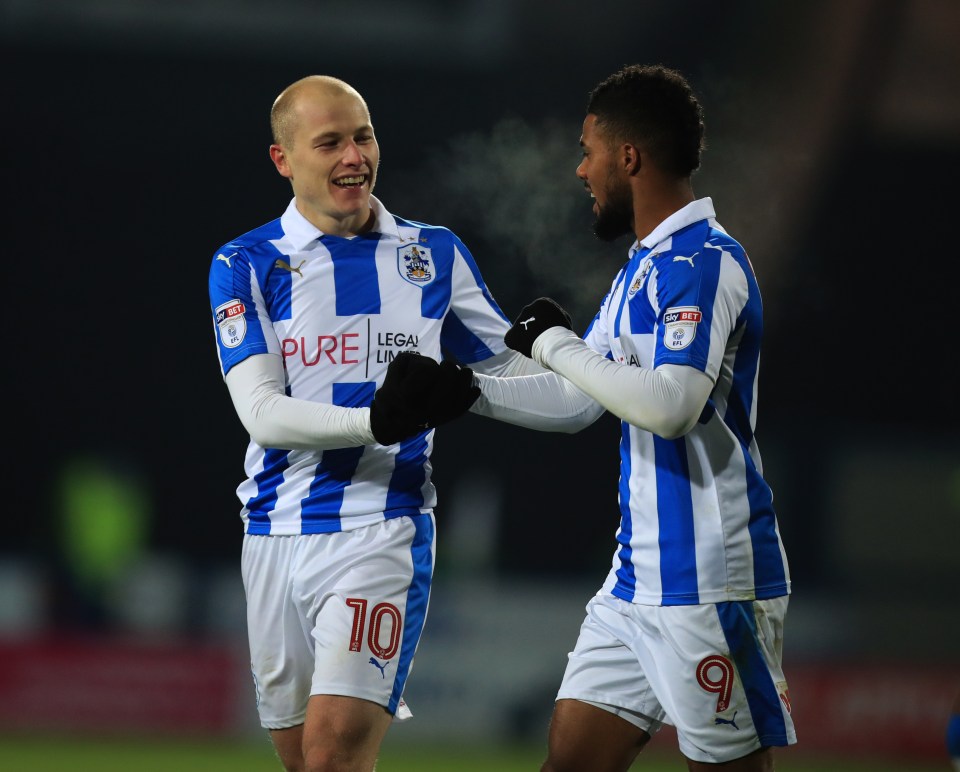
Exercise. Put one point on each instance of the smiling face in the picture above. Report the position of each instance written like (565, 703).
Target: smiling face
(606, 182)
(327, 149)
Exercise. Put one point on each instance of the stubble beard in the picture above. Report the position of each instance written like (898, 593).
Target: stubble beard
(615, 219)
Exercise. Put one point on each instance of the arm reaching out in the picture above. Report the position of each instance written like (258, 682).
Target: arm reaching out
(417, 394)
(275, 420)
(666, 401)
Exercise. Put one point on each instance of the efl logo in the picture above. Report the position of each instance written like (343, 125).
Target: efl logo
(680, 326)
(231, 323)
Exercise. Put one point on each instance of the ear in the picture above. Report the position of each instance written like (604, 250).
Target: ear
(630, 159)
(279, 157)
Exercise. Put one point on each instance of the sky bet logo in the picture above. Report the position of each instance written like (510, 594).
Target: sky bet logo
(342, 348)
(229, 310)
(690, 316)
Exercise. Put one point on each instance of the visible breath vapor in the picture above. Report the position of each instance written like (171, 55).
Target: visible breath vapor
(513, 197)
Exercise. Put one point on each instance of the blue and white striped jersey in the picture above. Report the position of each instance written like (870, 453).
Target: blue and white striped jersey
(697, 519)
(338, 310)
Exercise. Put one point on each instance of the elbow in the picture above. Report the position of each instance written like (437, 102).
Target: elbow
(585, 417)
(260, 435)
(577, 423)
(672, 427)
(261, 432)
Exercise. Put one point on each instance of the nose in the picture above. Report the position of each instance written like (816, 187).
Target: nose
(352, 155)
(580, 172)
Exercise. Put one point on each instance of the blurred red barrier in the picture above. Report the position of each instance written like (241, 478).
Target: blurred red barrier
(108, 685)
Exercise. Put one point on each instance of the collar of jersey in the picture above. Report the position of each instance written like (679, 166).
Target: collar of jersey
(301, 232)
(701, 209)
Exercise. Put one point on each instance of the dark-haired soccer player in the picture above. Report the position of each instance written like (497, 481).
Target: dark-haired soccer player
(687, 629)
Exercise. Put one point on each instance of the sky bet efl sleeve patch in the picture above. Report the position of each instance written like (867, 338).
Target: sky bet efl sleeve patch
(231, 323)
(679, 326)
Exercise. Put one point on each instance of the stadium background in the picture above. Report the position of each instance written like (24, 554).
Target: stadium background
(135, 144)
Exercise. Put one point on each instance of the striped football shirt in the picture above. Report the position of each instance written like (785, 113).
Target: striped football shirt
(338, 310)
(697, 523)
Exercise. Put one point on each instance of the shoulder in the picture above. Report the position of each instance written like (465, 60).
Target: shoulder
(253, 243)
(427, 230)
(701, 246)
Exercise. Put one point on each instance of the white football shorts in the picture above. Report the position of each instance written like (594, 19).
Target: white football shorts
(713, 671)
(338, 613)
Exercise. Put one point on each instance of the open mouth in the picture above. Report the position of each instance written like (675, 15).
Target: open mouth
(351, 182)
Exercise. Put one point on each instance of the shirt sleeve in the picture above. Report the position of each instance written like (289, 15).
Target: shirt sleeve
(275, 420)
(666, 401)
(545, 402)
(474, 325)
(507, 364)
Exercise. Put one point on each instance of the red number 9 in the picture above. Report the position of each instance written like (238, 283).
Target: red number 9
(715, 674)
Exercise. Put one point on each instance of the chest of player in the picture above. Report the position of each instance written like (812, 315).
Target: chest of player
(349, 307)
(632, 314)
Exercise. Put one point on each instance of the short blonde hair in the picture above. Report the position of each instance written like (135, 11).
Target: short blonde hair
(283, 114)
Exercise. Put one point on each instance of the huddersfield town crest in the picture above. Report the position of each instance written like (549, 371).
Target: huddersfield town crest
(416, 264)
(641, 277)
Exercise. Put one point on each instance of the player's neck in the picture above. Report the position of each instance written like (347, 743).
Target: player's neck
(657, 204)
(344, 227)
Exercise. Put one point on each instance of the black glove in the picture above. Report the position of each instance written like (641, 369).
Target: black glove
(452, 393)
(535, 318)
(418, 394)
(399, 407)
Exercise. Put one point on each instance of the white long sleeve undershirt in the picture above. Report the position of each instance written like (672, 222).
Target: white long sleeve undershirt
(666, 401)
(274, 420)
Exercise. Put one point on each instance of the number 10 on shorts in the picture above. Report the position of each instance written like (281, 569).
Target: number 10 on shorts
(384, 623)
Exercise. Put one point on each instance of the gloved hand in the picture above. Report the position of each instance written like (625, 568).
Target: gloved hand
(417, 394)
(535, 318)
(452, 393)
(399, 407)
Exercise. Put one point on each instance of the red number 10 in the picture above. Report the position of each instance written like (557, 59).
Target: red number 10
(374, 638)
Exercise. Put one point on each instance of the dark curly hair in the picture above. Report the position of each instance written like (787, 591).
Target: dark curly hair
(653, 107)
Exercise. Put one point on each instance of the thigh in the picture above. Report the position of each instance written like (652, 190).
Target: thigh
(337, 614)
(606, 668)
(585, 736)
(366, 623)
(281, 651)
(722, 661)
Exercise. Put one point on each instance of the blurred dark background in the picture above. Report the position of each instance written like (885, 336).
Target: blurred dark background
(135, 144)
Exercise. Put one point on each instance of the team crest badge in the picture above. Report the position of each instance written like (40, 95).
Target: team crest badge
(416, 264)
(231, 323)
(641, 278)
(680, 326)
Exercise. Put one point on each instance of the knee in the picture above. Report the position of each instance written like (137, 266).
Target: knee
(335, 759)
(292, 765)
(326, 759)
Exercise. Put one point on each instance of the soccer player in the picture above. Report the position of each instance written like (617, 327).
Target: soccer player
(687, 629)
(312, 312)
